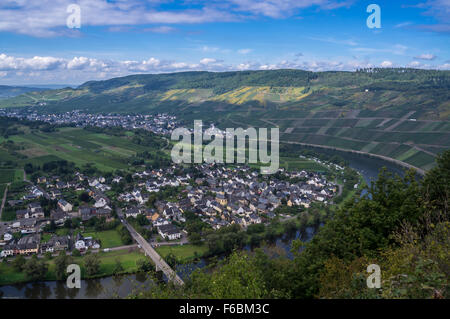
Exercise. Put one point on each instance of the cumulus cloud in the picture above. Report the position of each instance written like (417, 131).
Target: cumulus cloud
(386, 64)
(8, 63)
(80, 69)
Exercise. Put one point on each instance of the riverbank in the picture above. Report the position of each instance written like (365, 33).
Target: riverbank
(128, 259)
(370, 155)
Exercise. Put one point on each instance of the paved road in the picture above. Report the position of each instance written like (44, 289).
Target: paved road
(159, 262)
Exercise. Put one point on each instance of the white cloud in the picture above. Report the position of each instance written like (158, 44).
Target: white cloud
(36, 63)
(426, 56)
(80, 69)
(403, 24)
(244, 66)
(46, 18)
(283, 8)
(245, 51)
(209, 49)
(161, 29)
(415, 64)
(386, 64)
(207, 61)
(445, 66)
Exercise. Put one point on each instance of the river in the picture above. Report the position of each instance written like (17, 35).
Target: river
(119, 287)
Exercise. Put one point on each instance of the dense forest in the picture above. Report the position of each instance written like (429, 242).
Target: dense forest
(401, 224)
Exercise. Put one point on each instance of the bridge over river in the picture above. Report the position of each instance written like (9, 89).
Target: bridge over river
(157, 259)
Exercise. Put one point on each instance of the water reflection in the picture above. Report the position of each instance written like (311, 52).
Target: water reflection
(102, 288)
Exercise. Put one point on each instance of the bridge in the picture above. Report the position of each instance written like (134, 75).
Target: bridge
(157, 259)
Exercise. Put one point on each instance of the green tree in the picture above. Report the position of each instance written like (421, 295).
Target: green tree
(35, 269)
(61, 263)
(144, 265)
(18, 263)
(118, 268)
(76, 253)
(92, 264)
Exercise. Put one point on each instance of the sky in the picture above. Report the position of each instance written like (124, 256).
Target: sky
(40, 42)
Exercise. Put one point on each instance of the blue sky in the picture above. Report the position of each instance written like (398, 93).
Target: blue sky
(121, 37)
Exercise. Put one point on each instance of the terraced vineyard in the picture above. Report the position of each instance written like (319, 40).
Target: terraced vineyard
(399, 114)
(76, 145)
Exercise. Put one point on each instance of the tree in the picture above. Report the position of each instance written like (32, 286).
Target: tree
(76, 253)
(238, 278)
(19, 263)
(144, 265)
(84, 197)
(35, 269)
(118, 268)
(195, 239)
(92, 264)
(61, 263)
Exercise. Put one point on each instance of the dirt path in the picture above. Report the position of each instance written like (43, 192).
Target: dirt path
(403, 119)
(4, 200)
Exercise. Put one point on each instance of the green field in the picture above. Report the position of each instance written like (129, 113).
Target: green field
(107, 238)
(182, 252)
(301, 164)
(107, 263)
(80, 146)
(2, 190)
(10, 175)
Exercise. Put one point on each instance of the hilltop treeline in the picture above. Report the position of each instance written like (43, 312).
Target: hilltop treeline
(222, 82)
(401, 224)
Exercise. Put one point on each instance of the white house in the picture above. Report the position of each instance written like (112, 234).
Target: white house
(80, 245)
(100, 202)
(169, 232)
(65, 206)
(7, 237)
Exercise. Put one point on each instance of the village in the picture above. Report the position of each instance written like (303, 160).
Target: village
(216, 194)
(161, 124)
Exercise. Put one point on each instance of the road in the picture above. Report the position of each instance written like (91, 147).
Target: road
(149, 251)
(392, 160)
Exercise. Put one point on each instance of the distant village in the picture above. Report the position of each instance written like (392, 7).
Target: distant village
(219, 195)
(162, 124)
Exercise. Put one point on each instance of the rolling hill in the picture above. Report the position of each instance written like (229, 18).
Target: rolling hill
(401, 114)
(13, 91)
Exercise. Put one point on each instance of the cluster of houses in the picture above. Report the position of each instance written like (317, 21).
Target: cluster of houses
(31, 219)
(32, 244)
(218, 194)
(159, 124)
(224, 195)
